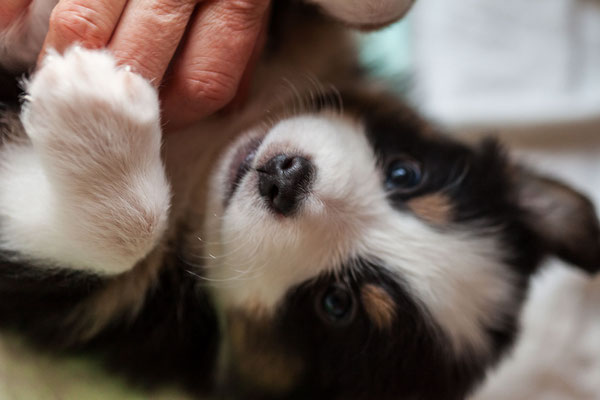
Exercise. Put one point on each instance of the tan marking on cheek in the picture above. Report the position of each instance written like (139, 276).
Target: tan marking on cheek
(260, 358)
(435, 208)
(379, 306)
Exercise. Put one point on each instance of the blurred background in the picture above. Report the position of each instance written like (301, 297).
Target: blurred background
(527, 71)
(489, 62)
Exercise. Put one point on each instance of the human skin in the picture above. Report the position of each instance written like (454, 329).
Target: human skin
(199, 54)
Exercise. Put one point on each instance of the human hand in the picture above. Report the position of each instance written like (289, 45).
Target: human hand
(10, 10)
(198, 53)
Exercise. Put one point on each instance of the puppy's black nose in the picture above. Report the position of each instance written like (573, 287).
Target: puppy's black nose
(284, 181)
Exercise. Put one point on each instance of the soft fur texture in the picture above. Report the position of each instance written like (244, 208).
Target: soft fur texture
(103, 204)
(376, 286)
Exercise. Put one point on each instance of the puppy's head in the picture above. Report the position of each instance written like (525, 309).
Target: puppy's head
(358, 254)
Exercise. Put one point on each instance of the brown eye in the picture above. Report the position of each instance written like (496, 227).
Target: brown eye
(403, 175)
(337, 304)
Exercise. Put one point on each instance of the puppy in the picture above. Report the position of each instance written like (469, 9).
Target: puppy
(325, 242)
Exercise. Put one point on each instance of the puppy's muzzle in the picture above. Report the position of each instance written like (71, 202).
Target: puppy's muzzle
(284, 182)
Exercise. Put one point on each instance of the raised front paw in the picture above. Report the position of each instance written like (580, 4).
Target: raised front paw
(83, 105)
(95, 127)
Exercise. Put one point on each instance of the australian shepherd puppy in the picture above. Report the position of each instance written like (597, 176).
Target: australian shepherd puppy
(324, 242)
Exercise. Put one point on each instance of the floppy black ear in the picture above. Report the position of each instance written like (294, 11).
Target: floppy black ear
(564, 219)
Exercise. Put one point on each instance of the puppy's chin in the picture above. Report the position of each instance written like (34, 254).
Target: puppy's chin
(258, 252)
(250, 234)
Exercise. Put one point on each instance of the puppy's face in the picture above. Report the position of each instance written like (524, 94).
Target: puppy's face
(358, 254)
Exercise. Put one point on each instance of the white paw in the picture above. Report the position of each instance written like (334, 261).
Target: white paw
(86, 87)
(96, 129)
(84, 110)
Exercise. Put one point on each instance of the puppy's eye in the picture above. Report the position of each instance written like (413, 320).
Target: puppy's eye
(403, 175)
(337, 304)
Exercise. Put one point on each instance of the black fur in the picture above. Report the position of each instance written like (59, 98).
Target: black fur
(10, 89)
(36, 300)
(173, 339)
(411, 360)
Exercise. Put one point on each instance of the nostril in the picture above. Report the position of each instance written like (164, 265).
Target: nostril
(288, 162)
(273, 192)
(284, 181)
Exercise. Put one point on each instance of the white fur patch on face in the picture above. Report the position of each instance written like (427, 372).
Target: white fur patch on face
(457, 275)
(365, 12)
(252, 246)
(257, 256)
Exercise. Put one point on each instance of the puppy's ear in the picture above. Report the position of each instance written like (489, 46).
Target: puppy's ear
(564, 219)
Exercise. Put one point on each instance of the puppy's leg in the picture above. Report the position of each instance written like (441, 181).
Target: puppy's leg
(89, 192)
(367, 14)
(21, 40)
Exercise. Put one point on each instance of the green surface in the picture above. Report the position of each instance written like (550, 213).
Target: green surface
(388, 53)
(28, 375)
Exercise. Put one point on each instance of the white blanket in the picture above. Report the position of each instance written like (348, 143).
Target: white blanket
(507, 61)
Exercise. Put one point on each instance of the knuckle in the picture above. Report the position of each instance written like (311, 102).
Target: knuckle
(173, 9)
(249, 7)
(210, 90)
(73, 23)
(147, 67)
(169, 6)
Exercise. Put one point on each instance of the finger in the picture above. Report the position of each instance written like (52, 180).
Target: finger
(10, 10)
(246, 80)
(367, 15)
(149, 33)
(89, 23)
(206, 74)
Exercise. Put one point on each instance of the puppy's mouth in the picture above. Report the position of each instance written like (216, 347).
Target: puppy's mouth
(241, 164)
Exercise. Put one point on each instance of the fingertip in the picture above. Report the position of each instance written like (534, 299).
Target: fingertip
(148, 35)
(187, 103)
(216, 63)
(89, 23)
